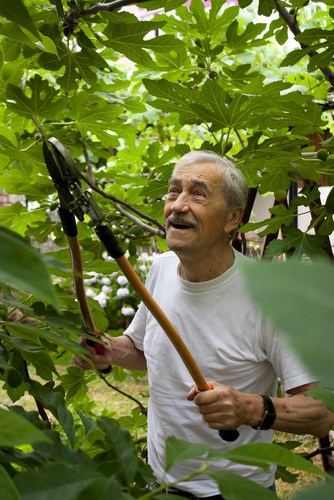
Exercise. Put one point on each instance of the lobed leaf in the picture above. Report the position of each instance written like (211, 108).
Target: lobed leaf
(298, 241)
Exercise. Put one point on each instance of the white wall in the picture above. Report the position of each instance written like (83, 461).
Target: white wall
(264, 203)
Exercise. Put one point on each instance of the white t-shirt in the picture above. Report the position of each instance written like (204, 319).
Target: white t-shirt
(230, 342)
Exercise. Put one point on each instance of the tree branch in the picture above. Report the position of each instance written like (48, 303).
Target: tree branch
(242, 142)
(132, 398)
(140, 223)
(319, 451)
(126, 205)
(72, 16)
(92, 183)
(199, 133)
(40, 407)
(89, 165)
(294, 28)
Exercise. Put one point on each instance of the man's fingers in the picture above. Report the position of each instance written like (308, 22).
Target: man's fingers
(82, 363)
(96, 363)
(192, 393)
(206, 397)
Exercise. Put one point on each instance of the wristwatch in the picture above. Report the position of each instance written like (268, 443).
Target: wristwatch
(269, 415)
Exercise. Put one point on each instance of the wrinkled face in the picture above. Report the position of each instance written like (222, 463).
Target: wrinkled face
(196, 215)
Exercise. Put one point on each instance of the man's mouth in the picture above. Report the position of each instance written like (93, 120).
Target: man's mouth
(181, 224)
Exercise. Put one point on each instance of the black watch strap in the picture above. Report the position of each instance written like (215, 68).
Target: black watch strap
(269, 415)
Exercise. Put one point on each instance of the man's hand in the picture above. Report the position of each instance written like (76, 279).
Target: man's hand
(98, 361)
(117, 351)
(226, 408)
(223, 407)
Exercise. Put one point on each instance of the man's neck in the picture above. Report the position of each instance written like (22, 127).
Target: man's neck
(206, 269)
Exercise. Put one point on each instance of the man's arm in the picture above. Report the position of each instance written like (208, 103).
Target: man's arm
(118, 351)
(300, 414)
(225, 408)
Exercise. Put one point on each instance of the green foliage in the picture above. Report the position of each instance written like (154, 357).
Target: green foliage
(262, 454)
(308, 309)
(231, 485)
(16, 430)
(25, 268)
(127, 96)
(17, 12)
(109, 464)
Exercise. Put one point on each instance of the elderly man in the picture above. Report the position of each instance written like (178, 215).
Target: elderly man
(199, 287)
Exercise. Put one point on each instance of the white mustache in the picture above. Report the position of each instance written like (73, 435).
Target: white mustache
(181, 220)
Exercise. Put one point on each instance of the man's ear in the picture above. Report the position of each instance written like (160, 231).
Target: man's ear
(233, 219)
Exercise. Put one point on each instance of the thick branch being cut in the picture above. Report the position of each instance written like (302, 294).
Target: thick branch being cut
(118, 202)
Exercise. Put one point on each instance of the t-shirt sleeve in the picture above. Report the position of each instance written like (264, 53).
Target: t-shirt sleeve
(285, 361)
(137, 327)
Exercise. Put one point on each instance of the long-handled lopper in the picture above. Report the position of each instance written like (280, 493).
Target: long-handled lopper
(74, 202)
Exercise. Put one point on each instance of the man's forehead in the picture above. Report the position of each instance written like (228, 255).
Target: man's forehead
(195, 181)
(203, 173)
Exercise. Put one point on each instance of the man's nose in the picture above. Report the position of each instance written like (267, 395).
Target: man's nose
(181, 204)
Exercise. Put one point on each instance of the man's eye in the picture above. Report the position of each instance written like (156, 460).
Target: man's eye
(172, 194)
(199, 194)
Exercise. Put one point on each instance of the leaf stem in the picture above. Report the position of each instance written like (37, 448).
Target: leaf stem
(39, 126)
(163, 487)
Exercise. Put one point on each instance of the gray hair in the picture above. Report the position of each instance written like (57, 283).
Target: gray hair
(234, 184)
